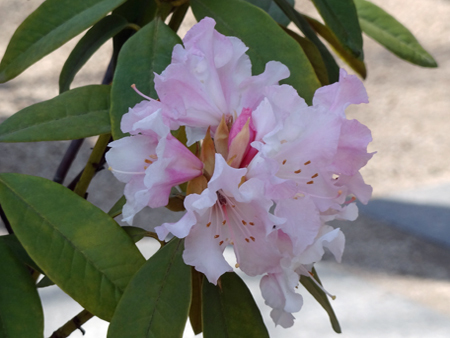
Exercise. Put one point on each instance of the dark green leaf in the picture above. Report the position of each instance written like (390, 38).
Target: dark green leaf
(195, 311)
(321, 298)
(302, 24)
(116, 210)
(356, 64)
(146, 52)
(50, 26)
(83, 250)
(101, 32)
(156, 302)
(313, 54)
(273, 10)
(390, 33)
(243, 20)
(135, 233)
(340, 16)
(20, 307)
(78, 113)
(229, 310)
(14, 245)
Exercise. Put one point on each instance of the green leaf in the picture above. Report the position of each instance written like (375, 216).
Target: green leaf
(44, 282)
(195, 310)
(243, 20)
(313, 54)
(78, 246)
(341, 17)
(356, 63)
(390, 33)
(321, 298)
(273, 10)
(50, 26)
(135, 233)
(156, 302)
(101, 32)
(78, 113)
(14, 245)
(116, 209)
(20, 307)
(229, 310)
(146, 52)
(306, 29)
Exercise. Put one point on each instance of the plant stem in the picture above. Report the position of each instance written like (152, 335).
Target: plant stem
(92, 165)
(178, 16)
(73, 324)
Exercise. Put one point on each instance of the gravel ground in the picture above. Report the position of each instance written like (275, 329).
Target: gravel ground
(408, 116)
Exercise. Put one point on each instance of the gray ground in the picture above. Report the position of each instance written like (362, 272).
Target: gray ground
(391, 283)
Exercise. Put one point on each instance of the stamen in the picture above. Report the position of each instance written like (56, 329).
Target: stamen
(153, 156)
(208, 224)
(310, 182)
(237, 265)
(221, 242)
(284, 162)
(306, 163)
(148, 161)
(127, 172)
(315, 175)
(298, 171)
(252, 238)
(216, 236)
(244, 222)
(137, 91)
(247, 240)
(224, 222)
(251, 223)
(333, 297)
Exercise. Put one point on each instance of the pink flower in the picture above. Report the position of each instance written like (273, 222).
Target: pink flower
(150, 164)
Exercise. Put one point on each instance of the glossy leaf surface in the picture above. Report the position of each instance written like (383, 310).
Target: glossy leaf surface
(95, 37)
(340, 16)
(156, 302)
(78, 113)
(270, 43)
(38, 36)
(20, 307)
(229, 310)
(390, 33)
(76, 245)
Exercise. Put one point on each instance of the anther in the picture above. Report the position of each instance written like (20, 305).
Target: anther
(310, 182)
(153, 156)
(247, 240)
(252, 238)
(208, 224)
(216, 236)
(306, 163)
(148, 161)
(244, 222)
(237, 265)
(224, 222)
(251, 223)
(315, 175)
(284, 162)
(298, 171)
(221, 242)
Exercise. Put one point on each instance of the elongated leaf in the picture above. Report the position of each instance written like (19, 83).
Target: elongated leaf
(298, 19)
(50, 26)
(229, 310)
(20, 307)
(340, 16)
(270, 43)
(116, 209)
(321, 298)
(77, 245)
(156, 302)
(14, 245)
(356, 63)
(273, 10)
(146, 52)
(390, 33)
(78, 113)
(101, 32)
(195, 311)
(313, 54)
(135, 233)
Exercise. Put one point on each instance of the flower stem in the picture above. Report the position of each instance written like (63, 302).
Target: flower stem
(73, 324)
(92, 164)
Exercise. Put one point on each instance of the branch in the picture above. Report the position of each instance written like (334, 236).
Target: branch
(73, 324)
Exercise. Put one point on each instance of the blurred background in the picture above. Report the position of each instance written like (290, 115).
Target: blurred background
(394, 280)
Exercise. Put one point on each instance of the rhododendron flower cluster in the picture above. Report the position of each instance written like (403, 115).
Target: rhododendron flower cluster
(268, 173)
